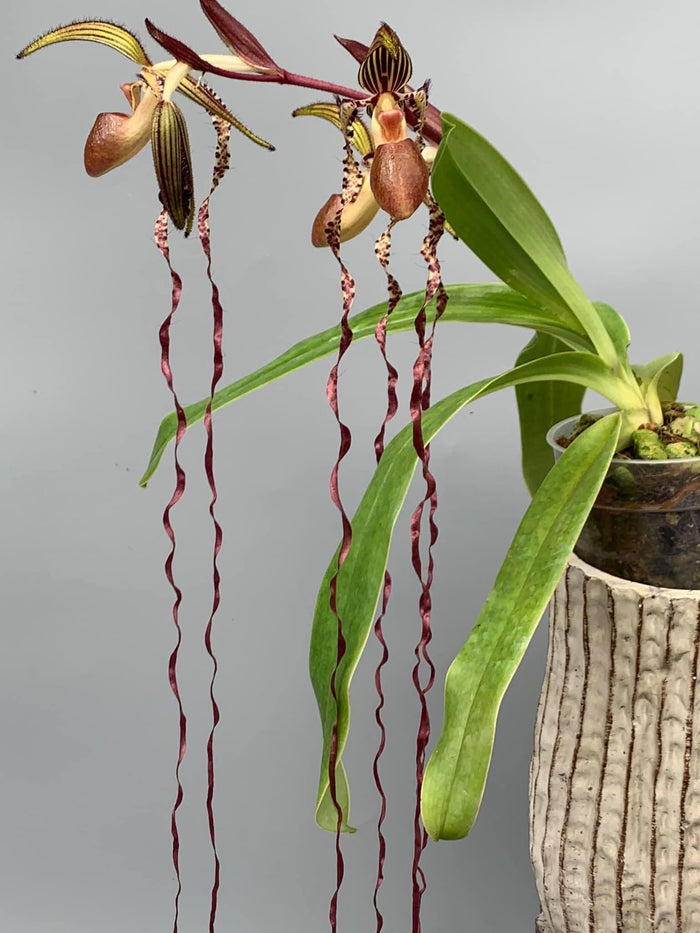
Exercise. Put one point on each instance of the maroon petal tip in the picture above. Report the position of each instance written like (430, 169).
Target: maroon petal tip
(239, 40)
(179, 51)
(358, 50)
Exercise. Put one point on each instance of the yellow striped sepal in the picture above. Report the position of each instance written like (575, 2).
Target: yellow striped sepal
(387, 66)
(359, 134)
(203, 95)
(173, 163)
(106, 33)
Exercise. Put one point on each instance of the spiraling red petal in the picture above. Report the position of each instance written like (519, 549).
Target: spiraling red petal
(382, 248)
(381, 840)
(221, 165)
(351, 186)
(420, 402)
(161, 238)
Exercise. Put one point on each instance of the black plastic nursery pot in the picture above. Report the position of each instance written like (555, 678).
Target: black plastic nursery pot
(645, 524)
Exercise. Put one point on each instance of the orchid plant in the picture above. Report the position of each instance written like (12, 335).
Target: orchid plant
(400, 154)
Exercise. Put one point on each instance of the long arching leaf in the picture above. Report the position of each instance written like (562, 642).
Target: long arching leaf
(494, 212)
(362, 573)
(478, 677)
(494, 304)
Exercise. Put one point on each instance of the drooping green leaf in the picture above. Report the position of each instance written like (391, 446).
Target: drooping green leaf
(540, 405)
(494, 212)
(496, 304)
(478, 677)
(361, 576)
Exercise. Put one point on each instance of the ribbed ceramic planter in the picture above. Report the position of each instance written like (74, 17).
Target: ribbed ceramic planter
(615, 776)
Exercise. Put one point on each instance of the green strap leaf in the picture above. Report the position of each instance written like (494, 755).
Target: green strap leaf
(540, 405)
(479, 675)
(494, 212)
(496, 304)
(361, 576)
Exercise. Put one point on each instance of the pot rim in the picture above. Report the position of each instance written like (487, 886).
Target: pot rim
(558, 430)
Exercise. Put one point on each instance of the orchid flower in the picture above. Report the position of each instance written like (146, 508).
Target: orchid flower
(396, 166)
(117, 137)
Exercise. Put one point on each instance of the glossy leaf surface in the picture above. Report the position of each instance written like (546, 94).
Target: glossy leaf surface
(478, 677)
(494, 212)
(481, 303)
(361, 576)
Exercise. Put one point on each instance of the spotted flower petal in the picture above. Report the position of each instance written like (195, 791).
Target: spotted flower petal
(204, 96)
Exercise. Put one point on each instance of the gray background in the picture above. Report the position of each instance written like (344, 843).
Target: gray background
(597, 105)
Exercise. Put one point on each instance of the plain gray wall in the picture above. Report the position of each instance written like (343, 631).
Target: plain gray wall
(597, 106)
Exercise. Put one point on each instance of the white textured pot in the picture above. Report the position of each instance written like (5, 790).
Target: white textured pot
(615, 775)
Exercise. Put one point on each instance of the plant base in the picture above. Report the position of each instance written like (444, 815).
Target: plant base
(615, 775)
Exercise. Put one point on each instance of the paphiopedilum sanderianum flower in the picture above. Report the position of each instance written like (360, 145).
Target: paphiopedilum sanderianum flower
(396, 166)
(117, 137)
